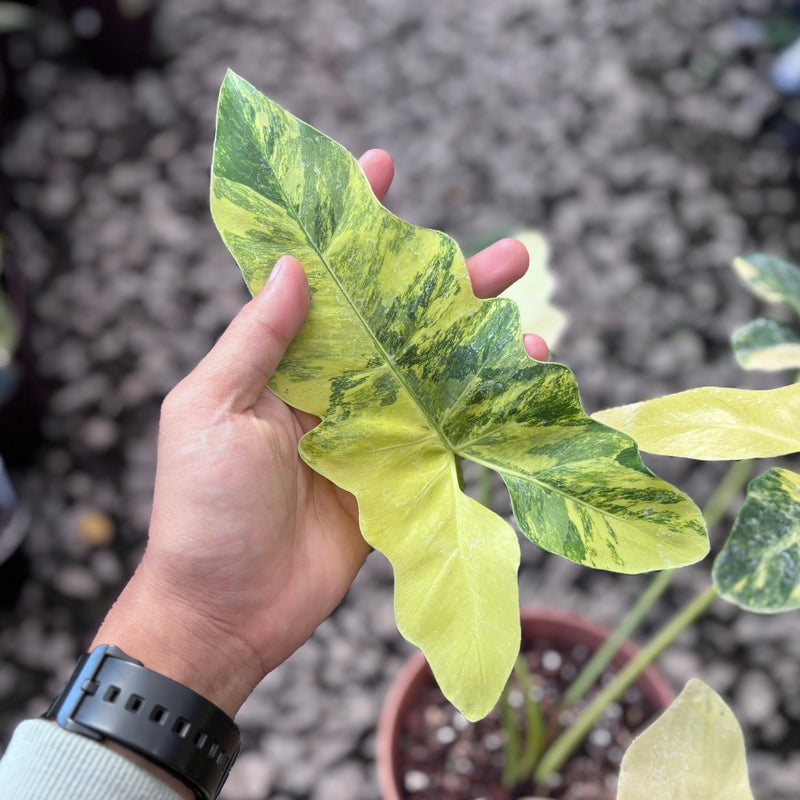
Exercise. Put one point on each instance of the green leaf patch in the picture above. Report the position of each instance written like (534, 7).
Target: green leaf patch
(759, 567)
(769, 278)
(766, 344)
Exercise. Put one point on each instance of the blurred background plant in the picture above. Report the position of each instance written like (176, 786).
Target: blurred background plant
(9, 339)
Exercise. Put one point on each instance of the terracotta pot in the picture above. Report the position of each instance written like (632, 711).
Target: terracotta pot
(553, 624)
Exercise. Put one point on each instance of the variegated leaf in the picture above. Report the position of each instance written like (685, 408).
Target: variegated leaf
(713, 423)
(766, 344)
(409, 371)
(759, 567)
(770, 278)
(693, 751)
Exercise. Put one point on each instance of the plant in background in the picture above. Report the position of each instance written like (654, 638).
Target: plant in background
(15, 17)
(9, 341)
(758, 569)
(534, 290)
(696, 750)
(410, 374)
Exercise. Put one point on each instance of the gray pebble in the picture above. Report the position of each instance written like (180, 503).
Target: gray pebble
(251, 778)
(343, 782)
(100, 434)
(107, 567)
(756, 698)
(78, 582)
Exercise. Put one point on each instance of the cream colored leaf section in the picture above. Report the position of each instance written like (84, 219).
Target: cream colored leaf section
(713, 423)
(694, 751)
(455, 561)
(533, 292)
(774, 359)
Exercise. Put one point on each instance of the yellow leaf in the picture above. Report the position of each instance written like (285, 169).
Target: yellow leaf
(694, 751)
(713, 423)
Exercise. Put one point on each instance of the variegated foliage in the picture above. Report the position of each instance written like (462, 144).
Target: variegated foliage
(767, 344)
(759, 567)
(693, 751)
(716, 423)
(410, 372)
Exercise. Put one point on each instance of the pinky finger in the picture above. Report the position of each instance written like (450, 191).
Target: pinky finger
(536, 347)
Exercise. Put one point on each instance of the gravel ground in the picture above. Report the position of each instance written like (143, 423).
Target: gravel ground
(641, 136)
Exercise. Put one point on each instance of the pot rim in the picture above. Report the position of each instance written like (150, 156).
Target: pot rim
(534, 620)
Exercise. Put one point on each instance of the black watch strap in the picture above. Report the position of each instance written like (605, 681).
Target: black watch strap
(111, 695)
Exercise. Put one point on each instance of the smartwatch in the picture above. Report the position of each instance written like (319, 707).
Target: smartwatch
(113, 696)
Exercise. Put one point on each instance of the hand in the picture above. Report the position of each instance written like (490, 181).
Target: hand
(249, 550)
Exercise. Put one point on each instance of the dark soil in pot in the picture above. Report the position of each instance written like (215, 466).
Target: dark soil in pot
(443, 757)
(438, 755)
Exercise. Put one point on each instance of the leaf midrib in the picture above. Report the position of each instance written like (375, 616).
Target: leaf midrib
(376, 342)
(532, 479)
(457, 555)
(770, 434)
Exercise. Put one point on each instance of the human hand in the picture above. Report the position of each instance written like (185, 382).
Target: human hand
(249, 549)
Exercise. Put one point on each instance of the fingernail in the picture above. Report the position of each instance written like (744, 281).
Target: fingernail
(279, 265)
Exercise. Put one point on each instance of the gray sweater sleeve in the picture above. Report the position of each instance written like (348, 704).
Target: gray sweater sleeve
(45, 762)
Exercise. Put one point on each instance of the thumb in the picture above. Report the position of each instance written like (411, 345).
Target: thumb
(238, 367)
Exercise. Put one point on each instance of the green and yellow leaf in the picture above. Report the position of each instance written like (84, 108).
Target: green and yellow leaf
(410, 372)
(759, 567)
(694, 751)
(713, 423)
(766, 344)
(770, 278)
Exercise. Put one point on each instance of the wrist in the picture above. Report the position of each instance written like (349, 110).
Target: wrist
(177, 785)
(114, 699)
(181, 643)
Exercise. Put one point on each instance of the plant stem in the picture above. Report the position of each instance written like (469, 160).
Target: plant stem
(459, 471)
(731, 484)
(606, 652)
(485, 486)
(733, 481)
(563, 747)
